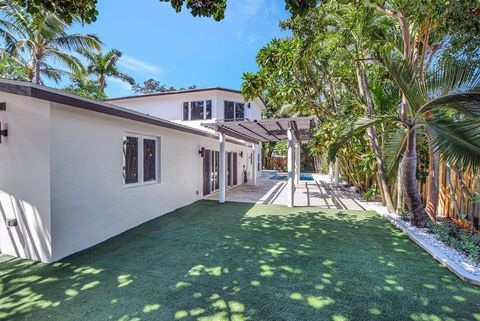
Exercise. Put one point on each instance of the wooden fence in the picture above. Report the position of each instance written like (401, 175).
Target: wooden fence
(275, 163)
(459, 195)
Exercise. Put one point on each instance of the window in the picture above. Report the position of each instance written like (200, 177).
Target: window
(234, 111)
(149, 160)
(185, 111)
(140, 159)
(197, 110)
(130, 155)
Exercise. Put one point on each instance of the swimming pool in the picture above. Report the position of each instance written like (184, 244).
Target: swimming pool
(283, 177)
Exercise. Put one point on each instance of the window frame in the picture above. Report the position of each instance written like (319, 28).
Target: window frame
(189, 109)
(141, 160)
(235, 103)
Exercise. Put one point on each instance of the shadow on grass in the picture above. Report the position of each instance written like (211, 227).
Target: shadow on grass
(213, 262)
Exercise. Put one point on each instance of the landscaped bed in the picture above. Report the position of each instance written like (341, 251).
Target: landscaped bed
(237, 261)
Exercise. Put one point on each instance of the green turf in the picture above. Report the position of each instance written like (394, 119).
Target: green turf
(213, 262)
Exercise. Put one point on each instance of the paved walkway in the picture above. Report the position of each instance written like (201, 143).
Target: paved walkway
(318, 193)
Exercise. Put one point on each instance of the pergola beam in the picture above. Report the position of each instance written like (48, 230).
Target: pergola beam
(233, 133)
(267, 131)
(257, 134)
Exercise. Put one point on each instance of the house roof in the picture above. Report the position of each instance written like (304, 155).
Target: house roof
(45, 93)
(178, 92)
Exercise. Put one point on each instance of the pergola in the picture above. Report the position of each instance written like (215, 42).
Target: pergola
(295, 130)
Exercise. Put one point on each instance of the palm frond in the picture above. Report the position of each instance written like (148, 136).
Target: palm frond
(467, 103)
(457, 141)
(360, 126)
(52, 73)
(453, 77)
(75, 42)
(404, 74)
(123, 76)
(71, 62)
(394, 146)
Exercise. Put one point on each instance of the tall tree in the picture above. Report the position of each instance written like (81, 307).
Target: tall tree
(67, 10)
(103, 65)
(41, 38)
(450, 87)
(427, 28)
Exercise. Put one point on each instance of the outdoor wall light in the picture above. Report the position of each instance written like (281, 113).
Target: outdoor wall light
(201, 152)
(241, 154)
(248, 105)
(3, 132)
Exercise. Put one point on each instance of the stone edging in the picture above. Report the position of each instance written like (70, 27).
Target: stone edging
(454, 267)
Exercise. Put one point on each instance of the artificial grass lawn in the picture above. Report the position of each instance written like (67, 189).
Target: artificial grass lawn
(213, 262)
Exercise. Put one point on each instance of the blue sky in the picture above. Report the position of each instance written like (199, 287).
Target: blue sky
(180, 50)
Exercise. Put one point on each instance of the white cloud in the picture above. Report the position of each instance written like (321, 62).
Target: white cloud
(137, 65)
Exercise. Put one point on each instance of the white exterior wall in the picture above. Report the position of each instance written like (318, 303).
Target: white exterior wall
(25, 178)
(61, 177)
(170, 107)
(90, 203)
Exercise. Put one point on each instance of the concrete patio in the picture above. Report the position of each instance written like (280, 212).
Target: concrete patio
(320, 192)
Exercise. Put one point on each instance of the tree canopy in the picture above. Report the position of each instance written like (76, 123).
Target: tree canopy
(67, 10)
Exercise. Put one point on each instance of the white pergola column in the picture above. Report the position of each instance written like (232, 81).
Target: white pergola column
(222, 168)
(337, 172)
(290, 165)
(330, 171)
(254, 164)
(297, 163)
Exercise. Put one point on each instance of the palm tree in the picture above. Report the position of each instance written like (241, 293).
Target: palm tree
(41, 39)
(105, 65)
(455, 135)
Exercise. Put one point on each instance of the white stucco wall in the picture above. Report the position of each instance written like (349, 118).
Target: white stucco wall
(90, 203)
(171, 107)
(25, 178)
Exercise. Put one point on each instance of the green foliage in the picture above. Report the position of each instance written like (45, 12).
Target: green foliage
(371, 193)
(280, 148)
(85, 88)
(38, 39)
(67, 10)
(104, 65)
(11, 68)
(201, 8)
(452, 235)
(152, 86)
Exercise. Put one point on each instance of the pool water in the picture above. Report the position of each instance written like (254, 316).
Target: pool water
(283, 177)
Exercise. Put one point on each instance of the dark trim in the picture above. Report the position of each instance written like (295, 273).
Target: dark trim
(44, 93)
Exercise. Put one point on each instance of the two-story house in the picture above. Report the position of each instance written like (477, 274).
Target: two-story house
(196, 106)
(75, 172)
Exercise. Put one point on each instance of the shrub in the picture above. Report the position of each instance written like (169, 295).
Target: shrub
(452, 235)
(404, 214)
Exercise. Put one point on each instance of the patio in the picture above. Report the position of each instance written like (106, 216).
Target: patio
(320, 192)
(240, 261)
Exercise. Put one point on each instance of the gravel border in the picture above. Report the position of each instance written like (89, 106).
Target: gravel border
(458, 263)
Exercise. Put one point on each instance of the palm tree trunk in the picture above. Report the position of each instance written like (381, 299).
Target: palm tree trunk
(433, 183)
(101, 82)
(413, 200)
(37, 71)
(373, 136)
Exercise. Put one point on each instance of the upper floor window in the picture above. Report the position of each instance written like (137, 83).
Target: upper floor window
(197, 110)
(140, 159)
(234, 111)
